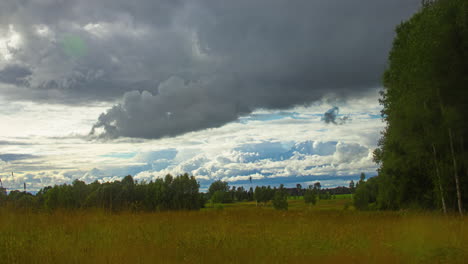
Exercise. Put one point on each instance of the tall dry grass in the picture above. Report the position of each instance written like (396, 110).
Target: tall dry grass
(238, 234)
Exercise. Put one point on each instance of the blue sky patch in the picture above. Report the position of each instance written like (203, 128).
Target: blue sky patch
(120, 155)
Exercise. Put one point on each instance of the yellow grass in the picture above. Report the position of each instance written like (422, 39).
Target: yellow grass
(239, 233)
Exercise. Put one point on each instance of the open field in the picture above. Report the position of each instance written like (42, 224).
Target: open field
(237, 233)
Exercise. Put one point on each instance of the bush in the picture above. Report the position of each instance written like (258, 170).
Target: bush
(280, 201)
(219, 207)
(310, 196)
(221, 197)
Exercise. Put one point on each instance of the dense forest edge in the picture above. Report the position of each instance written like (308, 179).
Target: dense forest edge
(421, 155)
(422, 152)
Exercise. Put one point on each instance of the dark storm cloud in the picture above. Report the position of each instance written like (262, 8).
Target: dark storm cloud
(331, 117)
(178, 107)
(15, 74)
(13, 157)
(14, 143)
(188, 65)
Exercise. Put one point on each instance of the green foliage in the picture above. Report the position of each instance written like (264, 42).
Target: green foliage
(426, 86)
(241, 194)
(263, 194)
(280, 199)
(365, 197)
(218, 186)
(362, 177)
(24, 200)
(223, 194)
(21, 200)
(310, 196)
(219, 197)
(325, 195)
(352, 186)
(172, 193)
(185, 193)
(317, 186)
(3, 196)
(218, 207)
(362, 197)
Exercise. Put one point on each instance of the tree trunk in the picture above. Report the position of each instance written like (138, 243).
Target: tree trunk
(457, 184)
(444, 208)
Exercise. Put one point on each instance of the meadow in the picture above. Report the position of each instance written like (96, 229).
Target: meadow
(235, 233)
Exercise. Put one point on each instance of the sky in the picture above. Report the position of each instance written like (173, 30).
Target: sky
(280, 91)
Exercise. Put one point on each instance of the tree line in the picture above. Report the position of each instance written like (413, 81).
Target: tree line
(171, 193)
(422, 153)
(219, 192)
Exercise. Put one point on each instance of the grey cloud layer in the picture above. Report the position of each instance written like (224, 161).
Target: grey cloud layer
(188, 65)
(15, 74)
(271, 146)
